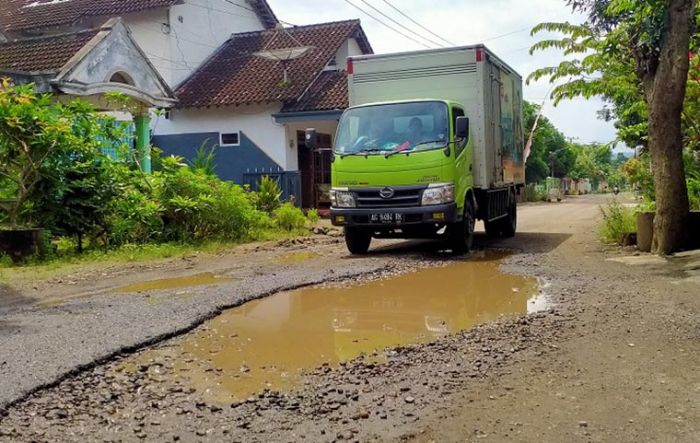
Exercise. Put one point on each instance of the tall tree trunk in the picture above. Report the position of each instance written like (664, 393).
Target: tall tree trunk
(665, 92)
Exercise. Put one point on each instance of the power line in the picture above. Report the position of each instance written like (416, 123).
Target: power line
(160, 58)
(418, 24)
(209, 8)
(233, 13)
(255, 12)
(506, 34)
(177, 36)
(388, 26)
(524, 48)
(401, 25)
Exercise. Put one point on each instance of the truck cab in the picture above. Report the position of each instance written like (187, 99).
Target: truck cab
(397, 169)
(435, 151)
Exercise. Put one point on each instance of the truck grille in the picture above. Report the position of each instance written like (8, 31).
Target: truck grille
(404, 197)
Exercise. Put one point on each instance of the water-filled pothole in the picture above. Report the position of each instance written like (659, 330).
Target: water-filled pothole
(266, 343)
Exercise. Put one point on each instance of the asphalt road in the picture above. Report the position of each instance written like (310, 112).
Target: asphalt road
(616, 357)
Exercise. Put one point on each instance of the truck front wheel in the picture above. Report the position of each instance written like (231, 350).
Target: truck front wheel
(462, 233)
(357, 240)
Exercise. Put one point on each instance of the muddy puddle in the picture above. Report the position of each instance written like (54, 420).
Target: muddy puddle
(203, 279)
(206, 278)
(267, 343)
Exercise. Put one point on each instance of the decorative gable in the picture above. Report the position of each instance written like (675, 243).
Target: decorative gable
(86, 63)
(112, 61)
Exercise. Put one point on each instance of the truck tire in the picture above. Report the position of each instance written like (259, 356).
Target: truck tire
(357, 240)
(462, 233)
(509, 224)
(493, 228)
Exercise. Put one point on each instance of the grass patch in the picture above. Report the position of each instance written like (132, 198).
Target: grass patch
(618, 222)
(64, 258)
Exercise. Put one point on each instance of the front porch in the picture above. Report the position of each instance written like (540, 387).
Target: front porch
(314, 166)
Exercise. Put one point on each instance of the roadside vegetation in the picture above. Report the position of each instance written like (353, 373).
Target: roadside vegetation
(641, 56)
(553, 155)
(69, 171)
(618, 223)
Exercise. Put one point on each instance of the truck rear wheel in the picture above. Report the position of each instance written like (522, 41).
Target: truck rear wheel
(504, 226)
(357, 240)
(510, 223)
(493, 228)
(462, 233)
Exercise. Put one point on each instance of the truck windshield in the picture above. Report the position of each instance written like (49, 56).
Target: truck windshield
(393, 128)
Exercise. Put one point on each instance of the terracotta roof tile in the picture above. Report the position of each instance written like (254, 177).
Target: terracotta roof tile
(18, 15)
(235, 75)
(46, 54)
(329, 91)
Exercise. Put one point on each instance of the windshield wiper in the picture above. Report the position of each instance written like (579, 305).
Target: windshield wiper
(364, 152)
(409, 150)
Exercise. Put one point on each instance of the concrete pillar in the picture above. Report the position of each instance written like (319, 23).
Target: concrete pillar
(143, 141)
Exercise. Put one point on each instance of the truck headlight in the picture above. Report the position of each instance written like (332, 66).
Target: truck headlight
(438, 195)
(342, 198)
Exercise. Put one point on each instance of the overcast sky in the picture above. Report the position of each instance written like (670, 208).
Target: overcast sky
(469, 22)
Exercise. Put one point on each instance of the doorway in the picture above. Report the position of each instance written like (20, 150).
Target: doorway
(315, 169)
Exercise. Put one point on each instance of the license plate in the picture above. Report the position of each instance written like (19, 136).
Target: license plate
(386, 218)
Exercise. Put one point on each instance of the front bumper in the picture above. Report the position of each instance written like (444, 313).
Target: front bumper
(418, 215)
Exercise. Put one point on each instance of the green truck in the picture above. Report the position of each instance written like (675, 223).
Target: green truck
(432, 142)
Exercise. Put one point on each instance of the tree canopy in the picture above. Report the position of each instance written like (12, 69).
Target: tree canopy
(635, 54)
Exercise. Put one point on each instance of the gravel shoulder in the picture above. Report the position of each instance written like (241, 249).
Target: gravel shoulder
(615, 358)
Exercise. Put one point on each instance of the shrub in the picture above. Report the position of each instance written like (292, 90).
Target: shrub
(693, 182)
(233, 217)
(199, 207)
(618, 221)
(290, 218)
(50, 158)
(135, 218)
(535, 193)
(204, 159)
(313, 216)
(268, 195)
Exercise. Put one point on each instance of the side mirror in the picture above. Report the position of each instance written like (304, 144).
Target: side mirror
(311, 138)
(462, 128)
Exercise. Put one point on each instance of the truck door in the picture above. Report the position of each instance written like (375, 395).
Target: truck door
(463, 162)
(495, 119)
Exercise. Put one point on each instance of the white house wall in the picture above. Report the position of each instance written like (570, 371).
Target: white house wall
(255, 122)
(348, 49)
(147, 28)
(180, 38)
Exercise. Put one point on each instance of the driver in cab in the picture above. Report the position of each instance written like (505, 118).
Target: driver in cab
(414, 137)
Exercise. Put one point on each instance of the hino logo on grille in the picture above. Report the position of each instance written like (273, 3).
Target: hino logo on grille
(386, 193)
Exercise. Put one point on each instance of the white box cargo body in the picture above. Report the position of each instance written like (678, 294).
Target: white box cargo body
(488, 89)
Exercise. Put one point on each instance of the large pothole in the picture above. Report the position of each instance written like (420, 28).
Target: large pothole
(268, 343)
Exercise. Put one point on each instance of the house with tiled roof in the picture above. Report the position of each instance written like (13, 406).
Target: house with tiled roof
(141, 48)
(175, 35)
(255, 96)
(226, 71)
